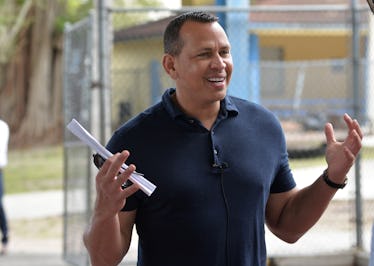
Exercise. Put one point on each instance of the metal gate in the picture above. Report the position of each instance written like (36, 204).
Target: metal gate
(78, 80)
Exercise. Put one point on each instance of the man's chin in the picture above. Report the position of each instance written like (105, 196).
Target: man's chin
(221, 94)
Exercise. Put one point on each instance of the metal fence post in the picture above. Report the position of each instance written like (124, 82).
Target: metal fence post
(103, 33)
(357, 114)
(371, 262)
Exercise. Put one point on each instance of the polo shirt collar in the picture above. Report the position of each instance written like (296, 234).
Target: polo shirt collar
(227, 105)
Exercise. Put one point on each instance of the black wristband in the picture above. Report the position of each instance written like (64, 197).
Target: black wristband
(331, 183)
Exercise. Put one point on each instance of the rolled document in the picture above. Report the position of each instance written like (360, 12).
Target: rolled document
(78, 130)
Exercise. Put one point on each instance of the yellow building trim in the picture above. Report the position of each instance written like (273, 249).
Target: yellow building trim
(198, 2)
(302, 32)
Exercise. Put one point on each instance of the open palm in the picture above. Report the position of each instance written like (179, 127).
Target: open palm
(340, 155)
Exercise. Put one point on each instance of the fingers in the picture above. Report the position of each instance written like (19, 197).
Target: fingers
(111, 196)
(355, 135)
(109, 172)
(122, 178)
(340, 156)
(353, 142)
(112, 164)
(356, 127)
(329, 133)
(116, 163)
(353, 125)
(128, 191)
(125, 174)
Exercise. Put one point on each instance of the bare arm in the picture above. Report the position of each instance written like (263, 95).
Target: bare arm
(108, 240)
(289, 215)
(108, 236)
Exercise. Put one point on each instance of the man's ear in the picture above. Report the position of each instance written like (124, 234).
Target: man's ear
(168, 64)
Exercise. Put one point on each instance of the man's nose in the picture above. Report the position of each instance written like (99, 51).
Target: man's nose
(218, 62)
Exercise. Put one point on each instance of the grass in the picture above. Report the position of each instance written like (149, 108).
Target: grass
(309, 162)
(39, 169)
(50, 227)
(28, 170)
(366, 153)
(34, 169)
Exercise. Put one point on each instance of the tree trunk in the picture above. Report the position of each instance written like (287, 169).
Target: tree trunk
(41, 118)
(30, 71)
(14, 59)
(13, 96)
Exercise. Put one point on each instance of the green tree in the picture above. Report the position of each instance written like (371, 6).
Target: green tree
(30, 60)
(31, 48)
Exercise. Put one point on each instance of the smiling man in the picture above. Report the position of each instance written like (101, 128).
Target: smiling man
(220, 164)
(201, 65)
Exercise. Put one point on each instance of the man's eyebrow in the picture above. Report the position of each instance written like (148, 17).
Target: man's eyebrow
(223, 46)
(203, 50)
(209, 49)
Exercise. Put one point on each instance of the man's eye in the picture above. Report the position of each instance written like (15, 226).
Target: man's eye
(203, 55)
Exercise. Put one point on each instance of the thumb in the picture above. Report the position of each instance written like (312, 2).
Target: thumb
(329, 133)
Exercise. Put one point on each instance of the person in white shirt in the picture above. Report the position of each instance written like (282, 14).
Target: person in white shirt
(4, 138)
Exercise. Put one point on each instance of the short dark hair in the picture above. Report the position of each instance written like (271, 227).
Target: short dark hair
(172, 43)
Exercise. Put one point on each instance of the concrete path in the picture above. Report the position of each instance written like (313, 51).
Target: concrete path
(19, 259)
(34, 205)
(33, 252)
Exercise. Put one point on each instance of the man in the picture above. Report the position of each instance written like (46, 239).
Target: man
(220, 165)
(4, 137)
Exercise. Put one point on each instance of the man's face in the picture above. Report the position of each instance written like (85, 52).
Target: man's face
(204, 66)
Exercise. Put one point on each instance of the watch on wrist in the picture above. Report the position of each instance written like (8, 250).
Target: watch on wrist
(332, 184)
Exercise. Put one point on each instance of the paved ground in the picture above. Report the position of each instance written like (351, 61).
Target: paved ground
(24, 209)
(19, 259)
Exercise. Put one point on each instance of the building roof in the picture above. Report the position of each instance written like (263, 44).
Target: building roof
(323, 17)
(304, 2)
(146, 30)
(326, 13)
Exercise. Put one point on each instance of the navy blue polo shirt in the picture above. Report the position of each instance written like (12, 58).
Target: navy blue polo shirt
(212, 185)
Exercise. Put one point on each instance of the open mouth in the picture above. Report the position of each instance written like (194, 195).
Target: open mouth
(216, 80)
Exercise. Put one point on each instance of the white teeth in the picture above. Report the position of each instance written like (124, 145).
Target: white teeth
(216, 79)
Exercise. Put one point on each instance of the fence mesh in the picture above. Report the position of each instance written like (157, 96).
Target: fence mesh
(297, 63)
(77, 104)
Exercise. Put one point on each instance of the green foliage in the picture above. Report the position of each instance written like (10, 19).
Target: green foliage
(124, 20)
(75, 10)
(7, 19)
(13, 19)
(135, 3)
(72, 11)
(8, 12)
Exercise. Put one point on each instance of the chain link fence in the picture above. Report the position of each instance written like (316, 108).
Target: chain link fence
(77, 166)
(297, 61)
